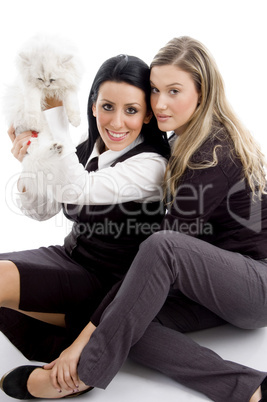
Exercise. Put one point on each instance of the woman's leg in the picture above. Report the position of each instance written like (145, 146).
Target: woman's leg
(39, 383)
(10, 295)
(9, 285)
(46, 284)
(210, 276)
(35, 339)
(185, 361)
(49, 318)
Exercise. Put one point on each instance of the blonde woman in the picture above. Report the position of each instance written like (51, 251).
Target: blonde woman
(208, 264)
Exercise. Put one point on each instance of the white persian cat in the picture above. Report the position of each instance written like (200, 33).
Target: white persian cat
(47, 67)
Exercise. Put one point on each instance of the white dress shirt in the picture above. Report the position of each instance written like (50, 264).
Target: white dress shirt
(139, 178)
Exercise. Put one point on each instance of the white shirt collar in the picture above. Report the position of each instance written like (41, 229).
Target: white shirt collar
(108, 157)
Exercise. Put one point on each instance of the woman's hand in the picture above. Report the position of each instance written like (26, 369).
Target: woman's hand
(64, 373)
(64, 369)
(51, 103)
(20, 142)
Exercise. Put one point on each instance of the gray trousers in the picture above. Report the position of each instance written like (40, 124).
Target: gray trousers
(224, 286)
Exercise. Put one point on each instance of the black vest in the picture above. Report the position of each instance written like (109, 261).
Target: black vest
(105, 238)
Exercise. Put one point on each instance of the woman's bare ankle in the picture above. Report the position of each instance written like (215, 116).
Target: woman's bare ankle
(256, 397)
(39, 385)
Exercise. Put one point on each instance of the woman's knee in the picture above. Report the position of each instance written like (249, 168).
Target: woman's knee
(157, 253)
(157, 240)
(9, 285)
(164, 240)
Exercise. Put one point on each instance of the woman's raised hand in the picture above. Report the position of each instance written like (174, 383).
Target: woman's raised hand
(51, 103)
(20, 142)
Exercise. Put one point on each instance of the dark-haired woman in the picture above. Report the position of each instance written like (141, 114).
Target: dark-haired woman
(208, 264)
(110, 189)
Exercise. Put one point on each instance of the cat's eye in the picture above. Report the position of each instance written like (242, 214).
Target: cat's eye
(52, 80)
(40, 79)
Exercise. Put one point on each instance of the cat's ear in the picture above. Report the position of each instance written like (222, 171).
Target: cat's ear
(66, 58)
(24, 58)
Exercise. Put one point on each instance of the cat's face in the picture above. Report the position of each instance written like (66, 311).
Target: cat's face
(45, 77)
(47, 73)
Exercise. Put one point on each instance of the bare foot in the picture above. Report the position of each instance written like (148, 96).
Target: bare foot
(39, 386)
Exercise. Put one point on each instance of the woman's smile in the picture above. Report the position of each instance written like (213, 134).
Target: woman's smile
(116, 136)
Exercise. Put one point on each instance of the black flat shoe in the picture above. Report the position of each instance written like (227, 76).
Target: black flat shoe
(14, 384)
(264, 390)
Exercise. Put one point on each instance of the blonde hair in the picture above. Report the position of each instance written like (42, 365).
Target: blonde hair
(213, 110)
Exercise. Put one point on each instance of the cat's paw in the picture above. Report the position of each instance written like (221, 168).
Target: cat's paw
(56, 148)
(74, 118)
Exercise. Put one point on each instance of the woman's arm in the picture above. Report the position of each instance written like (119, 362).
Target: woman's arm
(30, 205)
(64, 369)
(39, 205)
(138, 178)
(196, 199)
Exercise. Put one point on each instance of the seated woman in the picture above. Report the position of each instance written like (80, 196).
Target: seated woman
(208, 264)
(115, 204)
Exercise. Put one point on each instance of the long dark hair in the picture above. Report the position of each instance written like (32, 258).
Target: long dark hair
(133, 71)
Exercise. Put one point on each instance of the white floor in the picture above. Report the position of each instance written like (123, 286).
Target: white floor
(133, 383)
(137, 384)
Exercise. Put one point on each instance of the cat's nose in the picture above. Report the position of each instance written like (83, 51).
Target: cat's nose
(47, 84)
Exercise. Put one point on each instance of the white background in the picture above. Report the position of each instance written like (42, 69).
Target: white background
(235, 32)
